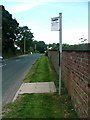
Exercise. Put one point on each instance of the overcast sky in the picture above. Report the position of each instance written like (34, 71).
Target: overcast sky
(37, 14)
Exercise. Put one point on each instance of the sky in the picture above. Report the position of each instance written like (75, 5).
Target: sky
(37, 14)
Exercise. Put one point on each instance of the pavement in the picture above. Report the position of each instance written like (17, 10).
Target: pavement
(37, 87)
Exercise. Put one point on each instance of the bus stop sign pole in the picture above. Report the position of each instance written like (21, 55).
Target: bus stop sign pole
(56, 25)
(60, 50)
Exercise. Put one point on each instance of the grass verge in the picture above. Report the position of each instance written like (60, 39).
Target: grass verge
(41, 71)
(41, 105)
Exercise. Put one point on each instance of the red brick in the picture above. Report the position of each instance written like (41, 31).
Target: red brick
(75, 72)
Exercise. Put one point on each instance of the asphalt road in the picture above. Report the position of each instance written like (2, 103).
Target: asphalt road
(13, 73)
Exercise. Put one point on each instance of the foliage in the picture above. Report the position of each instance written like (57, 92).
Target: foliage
(13, 34)
(15, 37)
(9, 31)
(78, 47)
(85, 46)
(24, 35)
(53, 46)
(40, 46)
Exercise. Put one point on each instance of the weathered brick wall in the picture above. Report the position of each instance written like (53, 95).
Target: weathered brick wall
(75, 74)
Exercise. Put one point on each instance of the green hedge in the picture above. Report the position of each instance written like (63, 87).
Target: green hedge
(79, 47)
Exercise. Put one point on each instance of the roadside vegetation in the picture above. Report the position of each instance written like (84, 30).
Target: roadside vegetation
(15, 37)
(41, 71)
(49, 105)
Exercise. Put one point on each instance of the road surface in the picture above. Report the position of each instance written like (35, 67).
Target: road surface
(13, 73)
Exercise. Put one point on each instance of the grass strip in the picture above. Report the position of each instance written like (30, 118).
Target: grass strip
(41, 71)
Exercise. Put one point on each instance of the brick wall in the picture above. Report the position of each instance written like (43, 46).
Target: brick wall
(75, 74)
(53, 55)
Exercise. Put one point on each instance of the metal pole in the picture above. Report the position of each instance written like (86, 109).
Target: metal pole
(60, 50)
(24, 46)
(35, 47)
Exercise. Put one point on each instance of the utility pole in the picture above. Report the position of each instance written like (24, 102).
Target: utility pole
(24, 46)
(35, 47)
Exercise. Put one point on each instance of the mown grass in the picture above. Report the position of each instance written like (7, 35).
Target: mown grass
(41, 106)
(41, 71)
(49, 105)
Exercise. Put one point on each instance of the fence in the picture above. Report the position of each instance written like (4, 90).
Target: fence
(75, 74)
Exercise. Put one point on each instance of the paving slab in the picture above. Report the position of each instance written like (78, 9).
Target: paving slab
(37, 87)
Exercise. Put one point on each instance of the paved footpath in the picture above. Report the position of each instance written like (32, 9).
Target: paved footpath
(37, 87)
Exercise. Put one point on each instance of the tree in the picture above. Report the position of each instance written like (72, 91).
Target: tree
(41, 46)
(53, 46)
(9, 31)
(25, 37)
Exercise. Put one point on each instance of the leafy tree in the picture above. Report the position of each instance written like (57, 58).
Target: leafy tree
(40, 46)
(9, 31)
(13, 34)
(25, 37)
